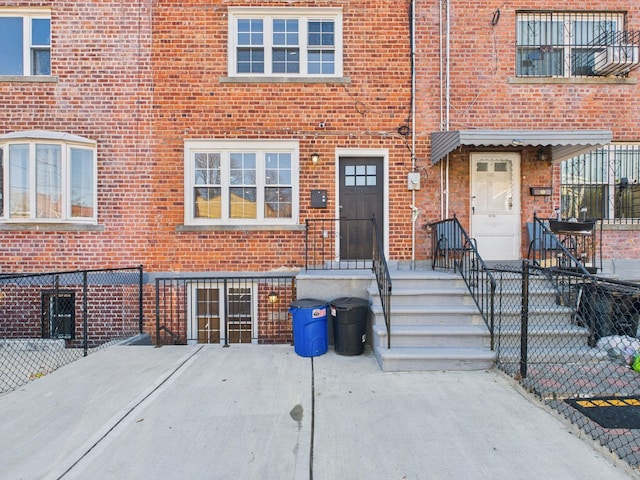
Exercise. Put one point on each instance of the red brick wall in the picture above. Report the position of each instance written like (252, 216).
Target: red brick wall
(189, 58)
(483, 97)
(100, 56)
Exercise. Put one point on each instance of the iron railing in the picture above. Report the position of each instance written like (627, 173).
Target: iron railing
(573, 347)
(350, 244)
(574, 44)
(453, 249)
(602, 185)
(51, 319)
(338, 244)
(383, 278)
(224, 309)
(565, 245)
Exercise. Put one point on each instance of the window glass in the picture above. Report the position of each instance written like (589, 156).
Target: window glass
(19, 173)
(48, 181)
(11, 46)
(566, 43)
(41, 32)
(250, 46)
(242, 187)
(207, 191)
(283, 41)
(82, 187)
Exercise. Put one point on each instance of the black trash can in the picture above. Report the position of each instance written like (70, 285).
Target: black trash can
(609, 310)
(349, 316)
(310, 337)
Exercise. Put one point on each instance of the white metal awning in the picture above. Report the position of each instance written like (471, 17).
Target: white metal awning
(564, 143)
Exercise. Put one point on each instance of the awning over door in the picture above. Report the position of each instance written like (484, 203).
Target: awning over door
(564, 143)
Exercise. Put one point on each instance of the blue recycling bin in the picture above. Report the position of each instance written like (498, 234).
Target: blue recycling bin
(310, 337)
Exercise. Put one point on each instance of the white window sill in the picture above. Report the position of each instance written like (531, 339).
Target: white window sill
(239, 228)
(273, 79)
(28, 79)
(51, 227)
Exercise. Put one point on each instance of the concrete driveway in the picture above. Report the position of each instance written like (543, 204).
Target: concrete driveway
(263, 412)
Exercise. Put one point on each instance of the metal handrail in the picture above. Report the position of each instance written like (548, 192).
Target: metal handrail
(321, 250)
(548, 251)
(453, 249)
(383, 278)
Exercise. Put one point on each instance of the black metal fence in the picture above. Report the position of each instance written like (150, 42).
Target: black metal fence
(339, 243)
(571, 339)
(51, 319)
(224, 309)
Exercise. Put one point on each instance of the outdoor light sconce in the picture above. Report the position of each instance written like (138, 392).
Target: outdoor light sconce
(315, 158)
(273, 297)
(543, 154)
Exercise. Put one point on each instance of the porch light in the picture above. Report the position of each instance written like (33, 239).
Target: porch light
(315, 158)
(543, 154)
(273, 297)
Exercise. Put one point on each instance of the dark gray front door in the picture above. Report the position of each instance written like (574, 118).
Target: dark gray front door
(361, 198)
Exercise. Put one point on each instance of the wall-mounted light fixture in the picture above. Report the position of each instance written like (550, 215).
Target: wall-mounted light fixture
(543, 154)
(518, 142)
(273, 297)
(315, 158)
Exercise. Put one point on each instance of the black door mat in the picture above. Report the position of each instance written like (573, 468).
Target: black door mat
(610, 412)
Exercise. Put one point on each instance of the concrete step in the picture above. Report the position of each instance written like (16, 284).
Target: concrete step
(434, 336)
(425, 314)
(398, 359)
(430, 296)
(540, 336)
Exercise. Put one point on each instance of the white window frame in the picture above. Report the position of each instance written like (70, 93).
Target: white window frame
(268, 14)
(32, 140)
(224, 316)
(28, 15)
(225, 148)
(565, 48)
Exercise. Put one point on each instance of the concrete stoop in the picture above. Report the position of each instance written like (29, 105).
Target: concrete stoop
(435, 325)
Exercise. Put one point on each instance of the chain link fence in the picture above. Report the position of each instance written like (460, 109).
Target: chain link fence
(49, 320)
(571, 339)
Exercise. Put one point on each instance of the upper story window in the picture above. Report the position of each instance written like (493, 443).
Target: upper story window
(47, 177)
(573, 44)
(283, 42)
(25, 42)
(245, 182)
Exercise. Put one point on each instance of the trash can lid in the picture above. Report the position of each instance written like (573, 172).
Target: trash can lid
(347, 303)
(308, 303)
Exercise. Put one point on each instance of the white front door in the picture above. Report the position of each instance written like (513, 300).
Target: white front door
(495, 204)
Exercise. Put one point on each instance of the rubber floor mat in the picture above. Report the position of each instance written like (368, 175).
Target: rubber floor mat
(610, 412)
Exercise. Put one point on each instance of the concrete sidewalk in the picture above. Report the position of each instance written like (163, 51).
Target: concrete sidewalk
(262, 412)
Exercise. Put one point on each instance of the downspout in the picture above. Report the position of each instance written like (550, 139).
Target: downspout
(447, 100)
(413, 132)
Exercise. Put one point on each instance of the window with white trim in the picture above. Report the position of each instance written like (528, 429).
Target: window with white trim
(250, 182)
(25, 42)
(44, 180)
(285, 42)
(572, 44)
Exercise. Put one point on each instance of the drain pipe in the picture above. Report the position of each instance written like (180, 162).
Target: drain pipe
(414, 209)
(445, 108)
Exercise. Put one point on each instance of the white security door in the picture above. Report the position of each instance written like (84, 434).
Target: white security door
(495, 204)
